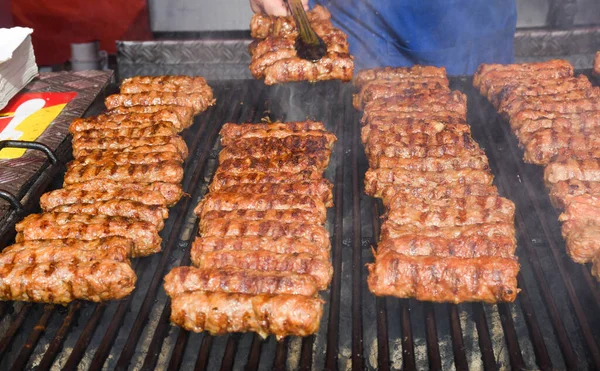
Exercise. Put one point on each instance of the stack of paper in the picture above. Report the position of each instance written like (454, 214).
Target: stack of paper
(17, 62)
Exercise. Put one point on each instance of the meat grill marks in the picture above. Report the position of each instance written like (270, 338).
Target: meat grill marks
(274, 56)
(126, 171)
(555, 117)
(261, 235)
(447, 236)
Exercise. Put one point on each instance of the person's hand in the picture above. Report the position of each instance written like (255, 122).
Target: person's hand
(272, 7)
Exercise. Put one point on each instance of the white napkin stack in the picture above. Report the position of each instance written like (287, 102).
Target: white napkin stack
(17, 62)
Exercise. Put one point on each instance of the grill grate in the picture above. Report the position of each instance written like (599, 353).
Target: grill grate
(554, 324)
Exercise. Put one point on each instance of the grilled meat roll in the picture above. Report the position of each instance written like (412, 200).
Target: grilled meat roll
(144, 235)
(60, 253)
(543, 145)
(83, 146)
(277, 164)
(166, 171)
(447, 279)
(565, 168)
(117, 157)
(284, 216)
(230, 130)
(185, 114)
(377, 92)
(199, 102)
(562, 190)
(309, 145)
(462, 247)
(366, 76)
(172, 192)
(580, 228)
(63, 282)
(266, 261)
(571, 102)
(281, 245)
(220, 313)
(438, 164)
(223, 180)
(114, 121)
(583, 122)
(140, 84)
(110, 243)
(438, 100)
(333, 66)
(596, 69)
(69, 195)
(232, 280)
(389, 229)
(442, 115)
(262, 26)
(159, 129)
(265, 134)
(321, 189)
(410, 126)
(399, 194)
(154, 214)
(486, 72)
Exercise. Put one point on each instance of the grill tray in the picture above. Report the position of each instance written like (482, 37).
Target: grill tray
(554, 324)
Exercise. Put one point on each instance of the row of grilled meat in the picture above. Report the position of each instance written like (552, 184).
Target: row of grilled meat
(556, 117)
(262, 253)
(274, 56)
(447, 236)
(126, 171)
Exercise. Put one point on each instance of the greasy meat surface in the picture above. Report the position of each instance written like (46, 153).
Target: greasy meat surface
(232, 280)
(566, 168)
(464, 146)
(69, 195)
(321, 189)
(467, 203)
(185, 114)
(60, 253)
(543, 145)
(405, 89)
(580, 228)
(264, 228)
(101, 244)
(172, 192)
(485, 72)
(159, 129)
(265, 261)
(334, 39)
(333, 66)
(399, 194)
(262, 26)
(447, 279)
(282, 245)
(167, 171)
(140, 84)
(462, 247)
(276, 164)
(282, 134)
(583, 122)
(63, 282)
(391, 230)
(437, 100)
(231, 130)
(417, 115)
(275, 147)
(223, 180)
(154, 214)
(439, 164)
(561, 190)
(220, 313)
(409, 126)
(581, 100)
(90, 227)
(83, 146)
(284, 216)
(117, 157)
(116, 121)
(197, 101)
(236, 201)
(397, 74)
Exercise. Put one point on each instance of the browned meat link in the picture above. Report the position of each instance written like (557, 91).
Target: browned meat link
(59, 253)
(466, 203)
(65, 196)
(583, 122)
(566, 168)
(154, 214)
(232, 280)
(172, 192)
(109, 243)
(462, 247)
(561, 190)
(266, 261)
(223, 179)
(379, 178)
(90, 227)
(580, 228)
(334, 39)
(265, 134)
(263, 228)
(400, 90)
(284, 216)
(308, 145)
(411, 126)
(139, 84)
(282, 245)
(399, 194)
(399, 150)
(501, 79)
(199, 102)
(561, 68)
(379, 139)
(442, 115)
(333, 66)
(320, 188)
(219, 313)
(232, 130)
(583, 100)
(160, 129)
(167, 171)
(397, 74)
(117, 157)
(501, 95)
(440, 100)
(543, 145)
(262, 26)
(596, 71)
(236, 201)
(447, 279)
(82, 146)
(185, 114)
(63, 282)
(492, 230)
(117, 121)
(275, 165)
(432, 163)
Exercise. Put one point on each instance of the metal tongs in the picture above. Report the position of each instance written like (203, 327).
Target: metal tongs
(309, 45)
